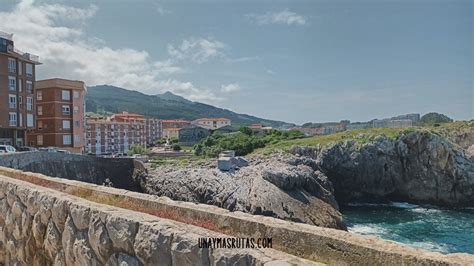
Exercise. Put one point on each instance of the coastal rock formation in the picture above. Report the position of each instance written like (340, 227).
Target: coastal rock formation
(282, 186)
(417, 167)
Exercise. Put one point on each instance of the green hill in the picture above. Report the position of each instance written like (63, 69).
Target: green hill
(104, 99)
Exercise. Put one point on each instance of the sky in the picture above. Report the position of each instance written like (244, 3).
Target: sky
(295, 61)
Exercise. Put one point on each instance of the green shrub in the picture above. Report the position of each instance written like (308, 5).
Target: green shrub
(241, 142)
(176, 147)
(137, 149)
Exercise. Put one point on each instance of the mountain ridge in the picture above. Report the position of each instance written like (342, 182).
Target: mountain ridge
(106, 98)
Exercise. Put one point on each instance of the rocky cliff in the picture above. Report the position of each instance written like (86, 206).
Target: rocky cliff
(281, 186)
(418, 167)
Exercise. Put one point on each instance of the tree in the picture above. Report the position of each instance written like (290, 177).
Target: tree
(246, 131)
(435, 118)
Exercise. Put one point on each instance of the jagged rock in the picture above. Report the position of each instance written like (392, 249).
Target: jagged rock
(153, 244)
(417, 167)
(122, 259)
(279, 185)
(122, 232)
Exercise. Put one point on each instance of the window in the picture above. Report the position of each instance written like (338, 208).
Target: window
(65, 95)
(20, 68)
(66, 139)
(29, 103)
(40, 124)
(76, 94)
(20, 85)
(12, 83)
(39, 95)
(76, 109)
(40, 109)
(39, 139)
(21, 120)
(29, 120)
(29, 70)
(29, 86)
(77, 123)
(66, 110)
(77, 138)
(12, 119)
(66, 124)
(11, 65)
(12, 101)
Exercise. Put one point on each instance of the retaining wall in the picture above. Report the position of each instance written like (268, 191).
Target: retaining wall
(117, 172)
(41, 226)
(20, 200)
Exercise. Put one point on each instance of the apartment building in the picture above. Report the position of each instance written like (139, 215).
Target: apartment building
(60, 109)
(153, 130)
(17, 79)
(170, 128)
(212, 123)
(115, 134)
(137, 126)
(105, 136)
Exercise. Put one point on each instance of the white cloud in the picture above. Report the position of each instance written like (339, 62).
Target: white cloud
(270, 72)
(54, 32)
(198, 50)
(160, 9)
(243, 59)
(283, 17)
(229, 88)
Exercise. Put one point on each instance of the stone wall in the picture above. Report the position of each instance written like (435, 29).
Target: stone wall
(50, 226)
(117, 172)
(40, 226)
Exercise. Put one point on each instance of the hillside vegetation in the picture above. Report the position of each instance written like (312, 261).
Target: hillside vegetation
(365, 136)
(109, 99)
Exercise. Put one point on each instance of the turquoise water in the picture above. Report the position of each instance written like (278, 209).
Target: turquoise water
(434, 229)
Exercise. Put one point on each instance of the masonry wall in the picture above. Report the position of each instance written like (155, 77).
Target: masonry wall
(66, 226)
(40, 226)
(118, 172)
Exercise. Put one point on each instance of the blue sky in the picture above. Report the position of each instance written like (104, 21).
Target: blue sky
(296, 61)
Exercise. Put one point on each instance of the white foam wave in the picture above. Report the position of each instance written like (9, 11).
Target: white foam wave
(367, 229)
(401, 205)
(425, 210)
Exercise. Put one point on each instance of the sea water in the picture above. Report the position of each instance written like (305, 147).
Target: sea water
(435, 229)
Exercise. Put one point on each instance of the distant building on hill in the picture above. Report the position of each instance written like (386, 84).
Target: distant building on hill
(174, 123)
(324, 129)
(358, 125)
(212, 123)
(392, 123)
